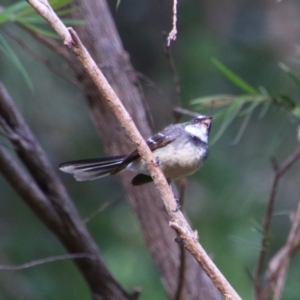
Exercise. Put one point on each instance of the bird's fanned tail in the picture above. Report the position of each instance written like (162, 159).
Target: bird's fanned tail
(90, 169)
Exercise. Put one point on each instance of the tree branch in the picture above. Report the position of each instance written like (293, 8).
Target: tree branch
(278, 265)
(182, 252)
(173, 33)
(43, 261)
(47, 197)
(178, 222)
(279, 171)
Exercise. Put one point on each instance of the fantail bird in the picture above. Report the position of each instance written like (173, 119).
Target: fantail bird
(179, 149)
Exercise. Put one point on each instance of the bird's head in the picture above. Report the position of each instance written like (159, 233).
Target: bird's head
(199, 127)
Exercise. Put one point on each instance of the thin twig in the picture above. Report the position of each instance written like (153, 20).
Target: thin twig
(179, 111)
(101, 208)
(46, 260)
(181, 269)
(278, 265)
(140, 75)
(174, 72)
(182, 254)
(182, 189)
(151, 84)
(173, 33)
(279, 171)
(178, 222)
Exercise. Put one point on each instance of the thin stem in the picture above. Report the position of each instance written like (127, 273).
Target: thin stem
(279, 171)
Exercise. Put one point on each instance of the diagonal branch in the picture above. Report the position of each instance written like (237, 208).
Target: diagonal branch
(279, 171)
(145, 201)
(278, 265)
(178, 222)
(43, 261)
(42, 190)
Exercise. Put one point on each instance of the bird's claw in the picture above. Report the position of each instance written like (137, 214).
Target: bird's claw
(157, 162)
(178, 205)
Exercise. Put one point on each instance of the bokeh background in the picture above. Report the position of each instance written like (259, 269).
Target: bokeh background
(225, 200)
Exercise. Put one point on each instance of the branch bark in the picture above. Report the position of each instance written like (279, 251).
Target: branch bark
(278, 265)
(44, 193)
(178, 221)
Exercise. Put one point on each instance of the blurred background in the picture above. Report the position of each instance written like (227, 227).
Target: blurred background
(225, 200)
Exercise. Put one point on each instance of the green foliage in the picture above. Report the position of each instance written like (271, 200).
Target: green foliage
(23, 14)
(118, 3)
(234, 78)
(11, 55)
(230, 107)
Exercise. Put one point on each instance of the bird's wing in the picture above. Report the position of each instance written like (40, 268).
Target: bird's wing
(159, 140)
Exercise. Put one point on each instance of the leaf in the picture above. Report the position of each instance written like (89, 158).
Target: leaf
(229, 116)
(3, 18)
(255, 102)
(14, 8)
(22, 9)
(59, 3)
(40, 30)
(9, 13)
(66, 11)
(285, 101)
(39, 20)
(234, 78)
(27, 11)
(296, 111)
(73, 21)
(291, 75)
(280, 213)
(34, 19)
(118, 3)
(6, 48)
(55, 4)
(264, 110)
(263, 91)
(256, 226)
(214, 101)
(242, 128)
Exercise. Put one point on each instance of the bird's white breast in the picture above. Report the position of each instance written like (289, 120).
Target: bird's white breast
(175, 162)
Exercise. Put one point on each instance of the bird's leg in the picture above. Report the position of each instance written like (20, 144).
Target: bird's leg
(178, 206)
(179, 240)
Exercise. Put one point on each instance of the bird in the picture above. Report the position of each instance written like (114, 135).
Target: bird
(179, 150)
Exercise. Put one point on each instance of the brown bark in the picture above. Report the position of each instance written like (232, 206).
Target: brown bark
(102, 41)
(42, 190)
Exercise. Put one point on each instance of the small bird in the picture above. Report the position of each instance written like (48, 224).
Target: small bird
(179, 150)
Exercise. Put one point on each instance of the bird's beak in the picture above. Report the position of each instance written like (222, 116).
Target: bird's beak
(206, 121)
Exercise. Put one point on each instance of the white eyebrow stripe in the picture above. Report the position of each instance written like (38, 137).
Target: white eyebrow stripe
(200, 132)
